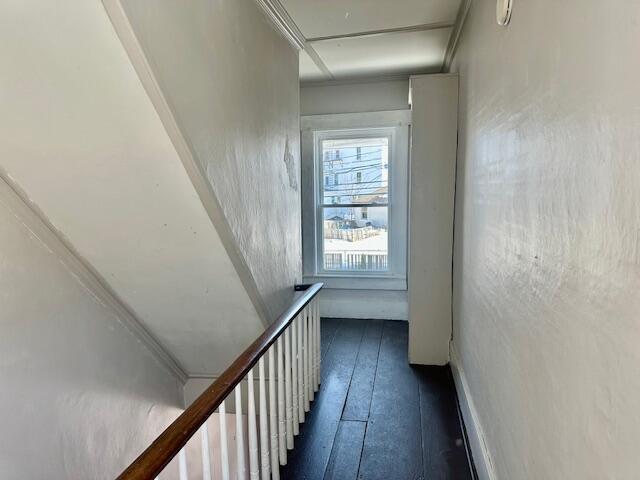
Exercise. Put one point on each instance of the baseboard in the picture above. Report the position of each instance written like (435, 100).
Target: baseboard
(477, 444)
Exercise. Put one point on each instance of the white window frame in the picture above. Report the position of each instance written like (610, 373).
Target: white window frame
(392, 124)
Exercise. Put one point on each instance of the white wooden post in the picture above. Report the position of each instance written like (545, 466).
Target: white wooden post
(294, 374)
(306, 347)
(182, 464)
(273, 416)
(224, 452)
(254, 469)
(298, 321)
(282, 429)
(316, 340)
(264, 425)
(239, 433)
(318, 366)
(206, 461)
(312, 353)
(287, 386)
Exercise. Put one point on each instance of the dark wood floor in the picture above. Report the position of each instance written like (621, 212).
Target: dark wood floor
(375, 416)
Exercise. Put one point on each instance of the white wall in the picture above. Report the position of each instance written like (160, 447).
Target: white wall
(232, 83)
(81, 397)
(365, 304)
(354, 97)
(547, 249)
(81, 138)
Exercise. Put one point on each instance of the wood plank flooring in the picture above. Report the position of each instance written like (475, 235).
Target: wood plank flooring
(375, 416)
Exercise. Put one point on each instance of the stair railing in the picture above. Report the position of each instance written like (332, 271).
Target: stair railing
(292, 347)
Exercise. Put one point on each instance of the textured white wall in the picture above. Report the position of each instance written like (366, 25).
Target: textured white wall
(547, 249)
(81, 138)
(232, 82)
(352, 97)
(81, 397)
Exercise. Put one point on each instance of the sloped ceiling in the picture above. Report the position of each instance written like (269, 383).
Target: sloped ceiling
(354, 38)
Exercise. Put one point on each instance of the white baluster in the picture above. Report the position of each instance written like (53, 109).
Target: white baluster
(182, 464)
(298, 321)
(224, 453)
(206, 461)
(312, 353)
(254, 469)
(273, 416)
(282, 428)
(239, 433)
(287, 387)
(318, 365)
(294, 374)
(316, 341)
(305, 347)
(264, 428)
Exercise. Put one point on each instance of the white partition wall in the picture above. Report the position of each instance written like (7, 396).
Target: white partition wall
(431, 203)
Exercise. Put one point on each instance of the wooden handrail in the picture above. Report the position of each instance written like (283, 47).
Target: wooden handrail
(153, 460)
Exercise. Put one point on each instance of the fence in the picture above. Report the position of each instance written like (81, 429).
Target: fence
(368, 261)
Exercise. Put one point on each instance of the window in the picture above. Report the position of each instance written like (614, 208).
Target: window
(361, 182)
(354, 227)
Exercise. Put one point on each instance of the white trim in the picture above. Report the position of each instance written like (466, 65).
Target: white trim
(352, 134)
(454, 39)
(185, 151)
(478, 445)
(365, 282)
(282, 21)
(396, 120)
(358, 80)
(347, 120)
(38, 224)
(424, 27)
(275, 12)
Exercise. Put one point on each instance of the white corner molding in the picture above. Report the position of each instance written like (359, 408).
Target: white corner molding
(503, 12)
(275, 12)
(185, 151)
(37, 223)
(475, 433)
(284, 24)
(452, 46)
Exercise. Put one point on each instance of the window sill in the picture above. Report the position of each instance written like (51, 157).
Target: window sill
(359, 282)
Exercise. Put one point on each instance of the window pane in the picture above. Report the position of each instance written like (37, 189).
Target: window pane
(355, 239)
(356, 170)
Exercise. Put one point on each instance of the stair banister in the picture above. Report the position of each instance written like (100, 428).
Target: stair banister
(304, 311)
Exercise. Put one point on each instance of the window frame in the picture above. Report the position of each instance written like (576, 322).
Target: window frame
(394, 124)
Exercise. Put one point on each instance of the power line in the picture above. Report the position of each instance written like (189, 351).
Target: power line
(351, 156)
(360, 168)
(354, 183)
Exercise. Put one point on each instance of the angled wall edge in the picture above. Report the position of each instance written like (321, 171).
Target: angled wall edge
(277, 14)
(38, 224)
(185, 151)
(452, 46)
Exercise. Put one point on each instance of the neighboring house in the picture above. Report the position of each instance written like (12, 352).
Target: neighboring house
(357, 175)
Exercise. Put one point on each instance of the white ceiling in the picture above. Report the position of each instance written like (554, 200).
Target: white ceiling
(357, 38)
